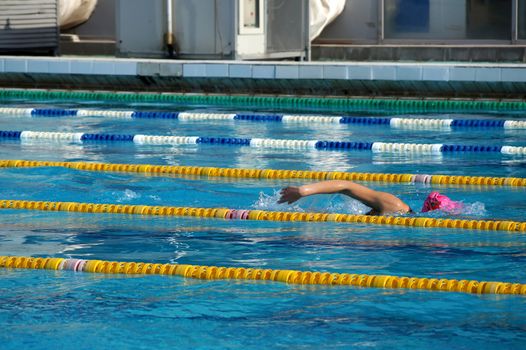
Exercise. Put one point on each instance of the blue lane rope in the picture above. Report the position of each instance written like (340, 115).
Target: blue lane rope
(393, 122)
(376, 147)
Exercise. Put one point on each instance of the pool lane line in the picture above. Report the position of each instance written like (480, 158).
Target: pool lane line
(328, 103)
(271, 173)
(408, 123)
(297, 145)
(262, 215)
(254, 274)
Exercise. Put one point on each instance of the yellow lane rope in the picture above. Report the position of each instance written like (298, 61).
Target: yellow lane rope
(225, 213)
(271, 173)
(241, 273)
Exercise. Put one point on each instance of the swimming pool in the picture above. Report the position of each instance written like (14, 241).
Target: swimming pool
(44, 309)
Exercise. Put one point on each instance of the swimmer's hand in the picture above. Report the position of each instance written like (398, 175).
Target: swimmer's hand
(289, 194)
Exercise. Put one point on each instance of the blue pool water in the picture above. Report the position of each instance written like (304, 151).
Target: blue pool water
(62, 309)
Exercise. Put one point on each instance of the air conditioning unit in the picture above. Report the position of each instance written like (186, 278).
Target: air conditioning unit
(29, 26)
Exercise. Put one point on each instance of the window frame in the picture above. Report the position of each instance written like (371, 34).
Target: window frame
(514, 33)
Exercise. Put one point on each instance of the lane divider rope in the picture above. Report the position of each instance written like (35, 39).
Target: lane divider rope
(329, 103)
(408, 123)
(271, 173)
(375, 147)
(243, 273)
(262, 215)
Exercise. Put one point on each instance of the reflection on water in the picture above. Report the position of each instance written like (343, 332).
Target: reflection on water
(407, 158)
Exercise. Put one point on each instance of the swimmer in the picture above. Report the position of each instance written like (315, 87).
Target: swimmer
(381, 203)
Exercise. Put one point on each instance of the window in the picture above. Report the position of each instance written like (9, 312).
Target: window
(448, 19)
(522, 19)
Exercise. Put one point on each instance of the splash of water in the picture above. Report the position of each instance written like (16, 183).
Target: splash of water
(473, 209)
(270, 203)
(347, 206)
(155, 198)
(321, 203)
(126, 196)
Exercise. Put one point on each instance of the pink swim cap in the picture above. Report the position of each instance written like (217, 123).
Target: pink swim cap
(436, 201)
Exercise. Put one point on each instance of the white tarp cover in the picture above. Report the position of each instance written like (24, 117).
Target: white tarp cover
(71, 13)
(323, 12)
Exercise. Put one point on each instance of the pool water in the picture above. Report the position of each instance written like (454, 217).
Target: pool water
(43, 309)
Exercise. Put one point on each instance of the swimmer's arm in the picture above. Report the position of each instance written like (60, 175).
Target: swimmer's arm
(369, 197)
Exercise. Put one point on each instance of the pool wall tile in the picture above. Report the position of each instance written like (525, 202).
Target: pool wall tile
(126, 68)
(287, 72)
(103, 67)
(310, 72)
(435, 73)
(335, 72)
(263, 71)
(216, 70)
(408, 73)
(59, 67)
(148, 68)
(513, 74)
(386, 72)
(81, 67)
(488, 74)
(240, 71)
(462, 73)
(171, 69)
(15, 65)
(359, 72)
(360, 77)
(194, 70)
(38, 66)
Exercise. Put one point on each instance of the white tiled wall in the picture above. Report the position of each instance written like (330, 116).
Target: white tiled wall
(376, 71)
